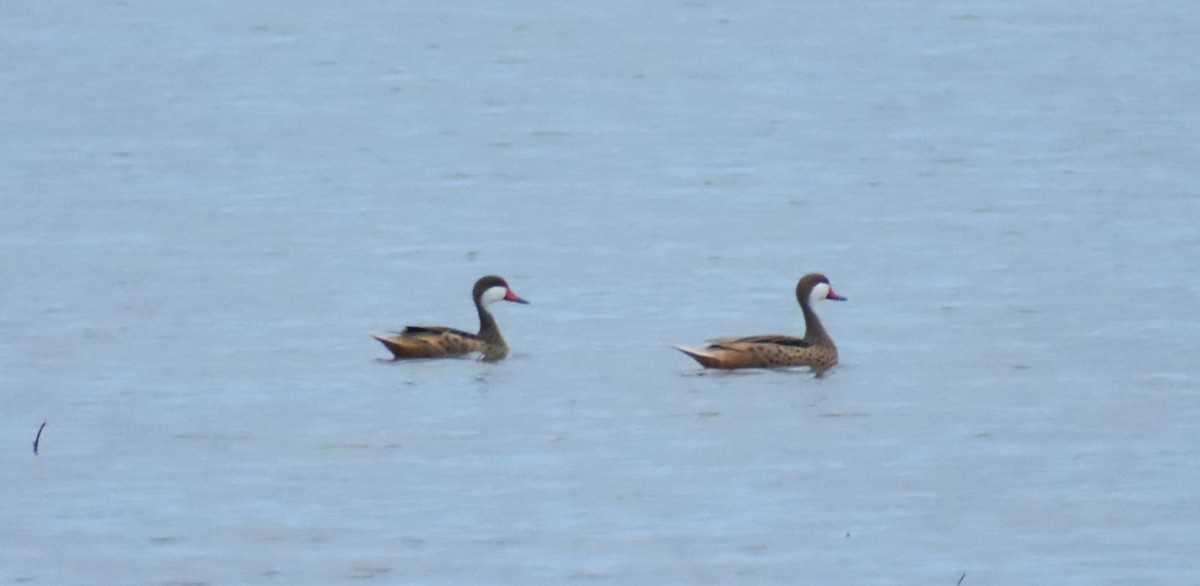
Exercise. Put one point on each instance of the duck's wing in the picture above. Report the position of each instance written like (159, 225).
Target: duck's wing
(734, 342)
(421, 330)
(430, 342)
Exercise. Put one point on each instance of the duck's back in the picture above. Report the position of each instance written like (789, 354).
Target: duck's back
(431, 342)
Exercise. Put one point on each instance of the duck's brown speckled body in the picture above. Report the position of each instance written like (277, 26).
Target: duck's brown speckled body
(815, 349)
(441, 342)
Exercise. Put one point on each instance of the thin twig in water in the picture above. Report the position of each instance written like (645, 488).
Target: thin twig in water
(960, 579)
(38, 438)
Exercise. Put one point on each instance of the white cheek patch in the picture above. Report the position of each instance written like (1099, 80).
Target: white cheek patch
(820, 292)
(493, 294)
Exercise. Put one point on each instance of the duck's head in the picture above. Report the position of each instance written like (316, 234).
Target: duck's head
(815, 287)
(491, 289)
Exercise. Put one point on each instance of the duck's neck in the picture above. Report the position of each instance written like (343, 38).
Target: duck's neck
(489, 332)
(814, 332)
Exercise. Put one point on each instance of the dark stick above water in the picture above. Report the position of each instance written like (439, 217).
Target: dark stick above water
(38, 438)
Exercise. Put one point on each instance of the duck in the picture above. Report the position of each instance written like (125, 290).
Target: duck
(815, 350)
(420, 341)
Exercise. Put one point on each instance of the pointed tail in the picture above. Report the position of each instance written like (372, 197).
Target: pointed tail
(704, 356)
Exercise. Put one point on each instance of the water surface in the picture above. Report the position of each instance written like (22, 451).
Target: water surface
(207, 209)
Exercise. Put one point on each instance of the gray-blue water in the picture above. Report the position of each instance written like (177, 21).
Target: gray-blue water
(206, 208)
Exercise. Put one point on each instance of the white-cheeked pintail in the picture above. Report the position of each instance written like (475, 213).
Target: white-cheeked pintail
(815, 349)
(440, 342)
